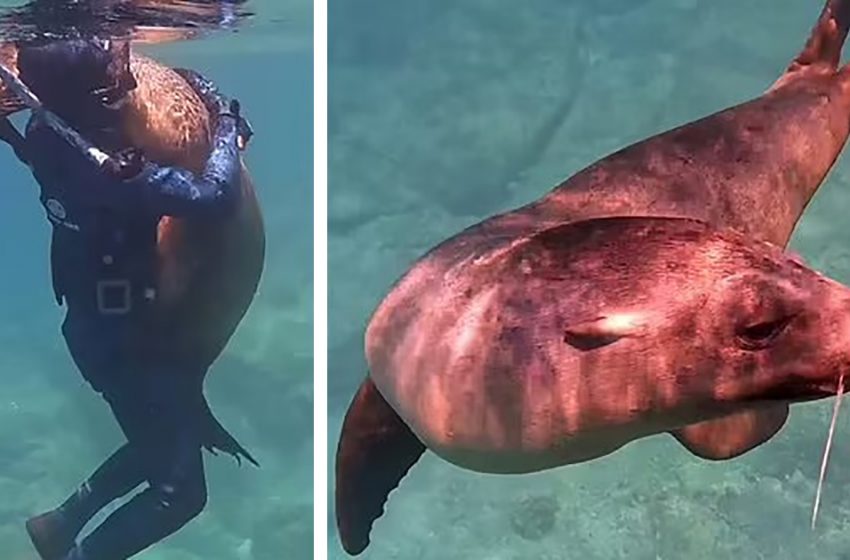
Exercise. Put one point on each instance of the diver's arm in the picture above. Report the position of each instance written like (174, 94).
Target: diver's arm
(136, 185)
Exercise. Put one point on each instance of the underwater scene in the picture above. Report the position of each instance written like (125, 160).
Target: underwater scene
(56, 430)
(442, 114)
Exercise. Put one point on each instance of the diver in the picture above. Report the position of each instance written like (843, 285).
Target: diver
(104, 215)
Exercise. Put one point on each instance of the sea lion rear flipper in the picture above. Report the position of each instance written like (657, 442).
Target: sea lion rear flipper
(733, 435)
(375, 451)
(216, 437)
(826, 38)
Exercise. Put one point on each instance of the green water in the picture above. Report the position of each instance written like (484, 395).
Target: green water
(54, 430)
(443, 113)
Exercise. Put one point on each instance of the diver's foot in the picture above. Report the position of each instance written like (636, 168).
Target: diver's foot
(50, 535)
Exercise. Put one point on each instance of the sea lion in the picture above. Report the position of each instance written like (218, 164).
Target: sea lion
(753, 167)
(575, 340)
(580, 338)
(210, 271)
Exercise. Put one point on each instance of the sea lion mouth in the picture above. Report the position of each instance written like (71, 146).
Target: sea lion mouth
(797, 389)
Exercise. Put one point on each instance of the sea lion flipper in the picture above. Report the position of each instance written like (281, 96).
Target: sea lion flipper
(827, 37)
(217, 438)
(733, 435)
(375, 451)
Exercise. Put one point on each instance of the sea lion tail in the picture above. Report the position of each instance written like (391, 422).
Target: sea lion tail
(827, 37)
(217, 438)
(376, 450)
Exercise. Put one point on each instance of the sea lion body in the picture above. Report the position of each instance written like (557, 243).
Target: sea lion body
(209, 270)
(752, 168)
(168, 120)
(580, 338)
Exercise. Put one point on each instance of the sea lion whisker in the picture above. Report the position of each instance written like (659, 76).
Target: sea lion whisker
(826, 449)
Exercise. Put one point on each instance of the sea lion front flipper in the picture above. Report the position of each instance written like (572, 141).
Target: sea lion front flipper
(375, 451)
(733, 435)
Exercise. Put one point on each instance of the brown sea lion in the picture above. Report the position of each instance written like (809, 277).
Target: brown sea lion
(575, 340)
(210, 271)
(753, 168)
(580, 338)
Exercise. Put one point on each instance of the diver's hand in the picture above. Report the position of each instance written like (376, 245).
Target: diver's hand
(231, 108)
(244, 129)
(125, 164)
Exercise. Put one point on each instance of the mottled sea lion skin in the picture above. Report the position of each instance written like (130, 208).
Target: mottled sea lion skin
(752, 168)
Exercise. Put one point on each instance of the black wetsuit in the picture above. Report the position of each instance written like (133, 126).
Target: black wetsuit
(103, 259)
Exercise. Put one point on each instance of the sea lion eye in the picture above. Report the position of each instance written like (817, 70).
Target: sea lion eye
(761, 335)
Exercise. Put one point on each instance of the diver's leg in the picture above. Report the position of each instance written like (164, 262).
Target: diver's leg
(120, 474)
(163, 428)
(53, 532)
(164, 507)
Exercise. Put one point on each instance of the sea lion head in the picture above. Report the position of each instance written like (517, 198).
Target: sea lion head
(732, 320)
(85, 81)
(783, 328)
